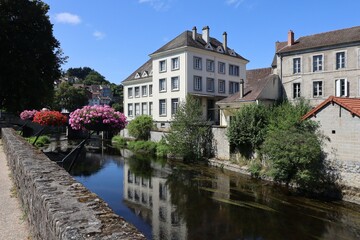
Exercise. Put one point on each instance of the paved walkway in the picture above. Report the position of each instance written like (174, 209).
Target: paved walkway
(13, 224)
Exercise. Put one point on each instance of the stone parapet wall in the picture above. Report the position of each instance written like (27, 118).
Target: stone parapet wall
(58, 207)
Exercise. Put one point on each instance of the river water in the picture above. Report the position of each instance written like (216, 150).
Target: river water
(173, 200)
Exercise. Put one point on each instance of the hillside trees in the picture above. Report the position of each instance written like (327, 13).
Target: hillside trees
(69, 97)
(30, 56)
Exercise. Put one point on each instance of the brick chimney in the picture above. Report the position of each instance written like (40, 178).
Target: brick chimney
(225, 41)
(194, 32)
(206, 34)
(290, 38)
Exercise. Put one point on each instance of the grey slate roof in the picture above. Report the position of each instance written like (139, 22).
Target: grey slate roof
(256, 81)
(145, 67)
(185, 39)
(326, 39)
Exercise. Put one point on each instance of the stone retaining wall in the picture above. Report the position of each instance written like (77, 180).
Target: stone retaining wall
(59, 207)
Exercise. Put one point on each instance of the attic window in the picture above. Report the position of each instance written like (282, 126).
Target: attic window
(137, 75)
(145, 74)
(220, 49)
(209, 47)
(151, 73)
(232, 53)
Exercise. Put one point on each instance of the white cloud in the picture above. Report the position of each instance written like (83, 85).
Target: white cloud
(158, 5)
(99, 35)
(67, 18)
(234, 3)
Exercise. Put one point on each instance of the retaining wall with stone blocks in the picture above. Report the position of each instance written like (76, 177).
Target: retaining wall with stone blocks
(59, 207)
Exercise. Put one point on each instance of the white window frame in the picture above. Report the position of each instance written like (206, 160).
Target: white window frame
(175, 63)
(340, 61)
(144, 93)
(210, 84)
(318, 64)
(210, 65)
(222, 86)
(197, 63)
(130, 92)
(318, 89)
(130, 110)
(296, 90)
(162, 66)
(137, 109)
(341, 87)
(296, 65)
(175, 83)
(151, 108)
(174, 105)
(162, 107)
(150, 89)
(221, 70)
(234, 70)
(144, 111)
(197, 83)
(162, 87)
(137, 93)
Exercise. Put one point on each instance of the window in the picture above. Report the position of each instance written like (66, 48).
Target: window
(340, 60)
(210, 84)
(175, 83)
(162, 107)
(162, 191)
(137, 91)
(150, 108)
(210, 65)
(233, 70)
(144, 109)
(174, 105)
(221, 68)
(341, 88)
(296, 65)
(137, 109)
(197, 83)
(221, 86)
(296, 90)
(317, 63)
(233, 87)
(162, 66)
(130, 110)
(150, 90)
(317, 89)
(144, 90)
(130, 92)
(197, 63)
(162, 85)
(175, 64)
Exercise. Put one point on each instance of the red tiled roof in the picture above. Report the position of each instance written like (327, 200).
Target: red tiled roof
(350, 104)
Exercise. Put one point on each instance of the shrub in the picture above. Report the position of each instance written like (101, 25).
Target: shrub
(162, 148)
(42, 141)
(140, 127)
(142, 146)
(119, 141)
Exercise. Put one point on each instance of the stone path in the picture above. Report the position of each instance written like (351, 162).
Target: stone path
(13, 223)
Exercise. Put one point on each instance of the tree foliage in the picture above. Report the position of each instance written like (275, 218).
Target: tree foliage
(30, 56)
(140, 127)
(69, 97)
(190, 136)
(80, 72)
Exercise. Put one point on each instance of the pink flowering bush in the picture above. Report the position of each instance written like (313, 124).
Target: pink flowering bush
(28, 114)
(99, 118)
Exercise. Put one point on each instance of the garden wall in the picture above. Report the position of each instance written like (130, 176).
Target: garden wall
(59, 207)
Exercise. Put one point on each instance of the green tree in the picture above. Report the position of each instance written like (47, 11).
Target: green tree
(70, 98)
(140, 127)
(95, 78)
(80, 72)
(248, 128)
(190, 136)
(30, 56)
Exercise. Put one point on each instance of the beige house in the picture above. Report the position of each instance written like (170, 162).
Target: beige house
(320, 65)
(192, 63)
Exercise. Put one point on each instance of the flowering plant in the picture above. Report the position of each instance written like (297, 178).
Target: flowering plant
(28, 114)
(99, 118)
(50, 118)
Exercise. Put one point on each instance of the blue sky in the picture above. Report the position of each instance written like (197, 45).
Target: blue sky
(115, 37)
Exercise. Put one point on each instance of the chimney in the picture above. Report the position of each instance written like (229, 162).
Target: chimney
(194, 33)
(225, 41)
(241, 89)
(290, 38)
(206, 33)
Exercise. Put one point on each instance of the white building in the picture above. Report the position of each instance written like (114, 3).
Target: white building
(191, 63)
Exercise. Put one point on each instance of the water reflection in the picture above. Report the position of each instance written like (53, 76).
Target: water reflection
(178, 201)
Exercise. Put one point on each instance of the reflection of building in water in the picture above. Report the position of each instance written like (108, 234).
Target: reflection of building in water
(151, 199)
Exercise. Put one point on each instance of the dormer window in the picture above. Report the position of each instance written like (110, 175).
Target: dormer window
(145, 74)
(220, 49)
(208, 46)
(232, 53)
(137, 75)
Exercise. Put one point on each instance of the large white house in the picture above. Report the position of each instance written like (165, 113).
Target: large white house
(192, 63)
